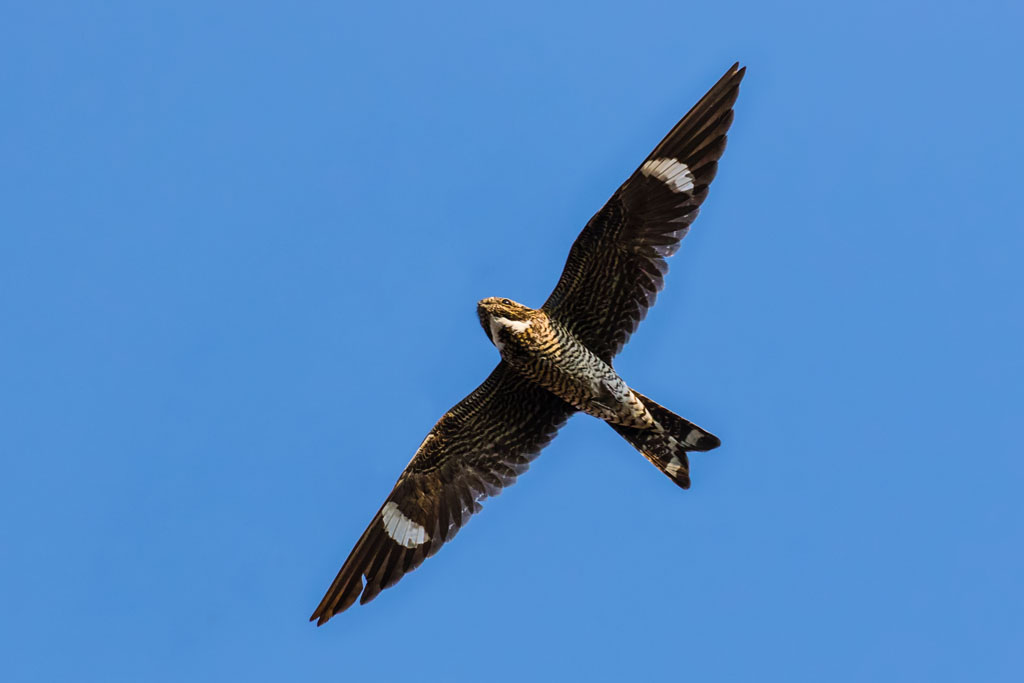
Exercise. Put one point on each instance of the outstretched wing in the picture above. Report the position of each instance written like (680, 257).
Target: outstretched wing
(478, 447)
(616, 266)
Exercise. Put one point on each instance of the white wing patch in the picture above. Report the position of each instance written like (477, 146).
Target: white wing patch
(672, 172)
(401, 529)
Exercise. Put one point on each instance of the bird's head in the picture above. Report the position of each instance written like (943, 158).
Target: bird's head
(497, 313)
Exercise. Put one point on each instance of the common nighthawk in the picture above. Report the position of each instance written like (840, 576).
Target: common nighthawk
(555, 360)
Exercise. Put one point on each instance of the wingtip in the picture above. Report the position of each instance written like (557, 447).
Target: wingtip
(735, 72)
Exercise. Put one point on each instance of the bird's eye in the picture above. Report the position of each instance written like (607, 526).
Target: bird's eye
(506, 302)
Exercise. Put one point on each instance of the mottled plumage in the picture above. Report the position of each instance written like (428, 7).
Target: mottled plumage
(543, 350)
(556, 360)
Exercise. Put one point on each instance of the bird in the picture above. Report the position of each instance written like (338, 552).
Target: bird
(555, 361)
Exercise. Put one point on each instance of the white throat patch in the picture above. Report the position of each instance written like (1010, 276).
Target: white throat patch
(516, 326)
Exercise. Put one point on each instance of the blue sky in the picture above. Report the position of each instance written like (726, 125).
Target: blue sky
(240, 250)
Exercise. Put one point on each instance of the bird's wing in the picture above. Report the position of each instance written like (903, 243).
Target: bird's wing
(616, 265)
(478, 447)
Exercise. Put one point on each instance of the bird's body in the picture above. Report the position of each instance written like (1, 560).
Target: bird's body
(556, 361)
(544, 351)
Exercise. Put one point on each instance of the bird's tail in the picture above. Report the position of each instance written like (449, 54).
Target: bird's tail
(667, 442)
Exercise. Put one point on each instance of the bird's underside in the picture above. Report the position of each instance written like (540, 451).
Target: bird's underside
(556, 360)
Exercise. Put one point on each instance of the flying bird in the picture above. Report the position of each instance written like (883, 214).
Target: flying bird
(555, 361)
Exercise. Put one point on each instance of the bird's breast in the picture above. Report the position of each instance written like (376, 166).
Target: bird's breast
(550, 355)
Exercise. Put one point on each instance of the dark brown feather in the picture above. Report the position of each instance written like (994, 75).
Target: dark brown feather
(617, 264)
(478, 447)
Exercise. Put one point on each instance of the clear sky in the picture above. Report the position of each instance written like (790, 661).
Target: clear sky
(240, 250)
